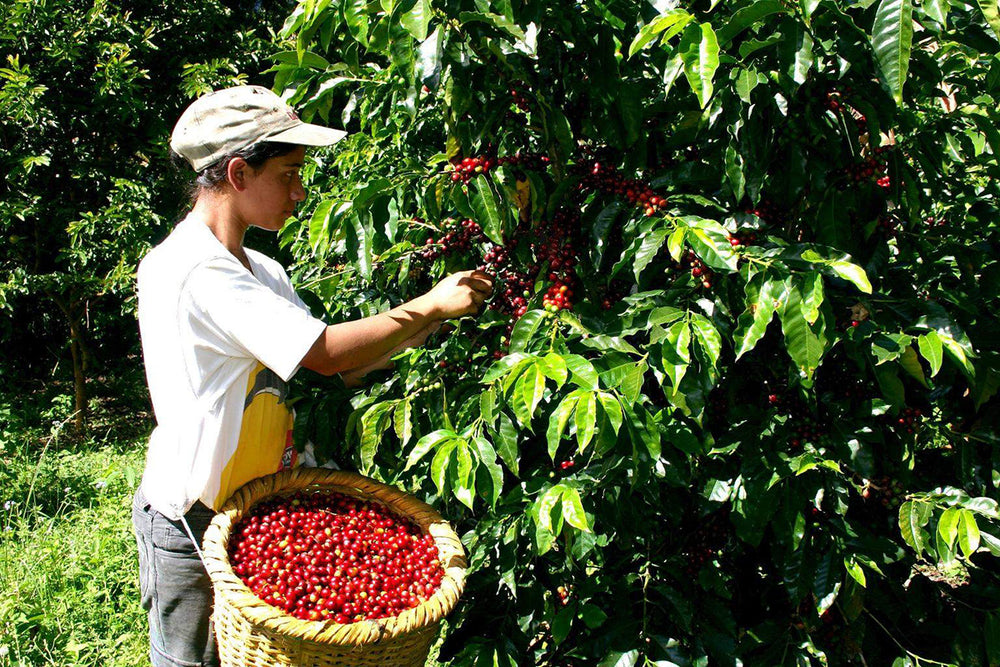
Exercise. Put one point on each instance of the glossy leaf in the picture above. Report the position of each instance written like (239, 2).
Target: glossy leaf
(700, 53)
(932, 350)
(572, 510)
(892, 39)
(968, 532)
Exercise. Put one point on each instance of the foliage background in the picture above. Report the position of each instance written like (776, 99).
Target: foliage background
(795, 464)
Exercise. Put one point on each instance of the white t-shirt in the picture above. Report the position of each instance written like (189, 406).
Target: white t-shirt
(219, 344)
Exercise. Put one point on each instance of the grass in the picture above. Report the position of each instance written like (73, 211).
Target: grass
(68, 569)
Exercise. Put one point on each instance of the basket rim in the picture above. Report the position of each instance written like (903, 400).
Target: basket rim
(238, 595)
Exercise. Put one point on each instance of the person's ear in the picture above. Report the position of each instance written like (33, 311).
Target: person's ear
(237, 172)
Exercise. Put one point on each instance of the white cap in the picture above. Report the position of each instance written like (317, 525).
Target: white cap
(225, 121)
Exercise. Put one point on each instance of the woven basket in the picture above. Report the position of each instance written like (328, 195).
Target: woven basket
(252, 633)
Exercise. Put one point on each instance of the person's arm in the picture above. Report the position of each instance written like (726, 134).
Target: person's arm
(353, 378)
(348, 346)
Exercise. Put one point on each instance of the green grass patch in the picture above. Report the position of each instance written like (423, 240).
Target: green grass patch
(68, 570)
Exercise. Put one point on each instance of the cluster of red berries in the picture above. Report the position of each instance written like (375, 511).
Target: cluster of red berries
(743, 238)
(699, 271)
(705, 544)
(557, 297)
(564, 593)
(520, 101)
(908, 420)
(887, 226)
(872, 168)
(769, 212)
(884, 491)
(515, 284)
(328, 556)
(460, 237)
(804, 427)
(615, 292)
(467, 168)
(529, 161)
(595, 175)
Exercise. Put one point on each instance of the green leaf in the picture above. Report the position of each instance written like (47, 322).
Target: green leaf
(855, 570)
(968, 533)
(586, 419)
(531, 386)
(403, 421)
(813, 293)
(631, 385)
(593, 616)
(373, 424)
(417, 20)
(563, 623)
(582, 372)
(506, 439)
(319, 226)
(947, 528)
(911, 364)
(762, 304)
(913, 516)
(841, 268)
(734, 172)
(699, 50)
(748, 16)
(710, 241)
(464, 488)
(648, 249)
(992, 13)
(488, 458)
(613, 409)
(889, 347)
(496, 20)
(616, 659)
(677, 352)
(441, 463)
(554, 367)
(675, 244)
(806, 344)
(572, 510)
(487, 210)
(546, 504)
(932, 350)
(558, 420)
(357, 19)
(428, 443)
(707, 336)
(525, 328)
(892, 39)
(674, 19)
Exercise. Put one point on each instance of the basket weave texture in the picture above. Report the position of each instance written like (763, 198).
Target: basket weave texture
(252, 633)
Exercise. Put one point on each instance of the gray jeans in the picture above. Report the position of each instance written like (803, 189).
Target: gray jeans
(175, 587)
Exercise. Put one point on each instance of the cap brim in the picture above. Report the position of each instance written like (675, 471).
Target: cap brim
(307, 134)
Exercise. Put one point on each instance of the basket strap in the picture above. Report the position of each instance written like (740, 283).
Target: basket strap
(197, 548)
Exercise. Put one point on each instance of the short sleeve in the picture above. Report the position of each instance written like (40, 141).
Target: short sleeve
(237, 314)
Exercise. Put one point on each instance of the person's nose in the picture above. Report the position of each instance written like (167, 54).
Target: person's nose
(298, 191)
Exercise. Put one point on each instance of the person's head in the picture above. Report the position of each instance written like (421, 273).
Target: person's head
(246, 142)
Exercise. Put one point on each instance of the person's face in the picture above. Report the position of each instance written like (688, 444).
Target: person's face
(272, 192)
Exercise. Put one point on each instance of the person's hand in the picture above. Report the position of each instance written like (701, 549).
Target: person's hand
(461, 293)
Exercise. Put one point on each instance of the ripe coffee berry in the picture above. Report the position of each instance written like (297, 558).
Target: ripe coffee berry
(328, 556)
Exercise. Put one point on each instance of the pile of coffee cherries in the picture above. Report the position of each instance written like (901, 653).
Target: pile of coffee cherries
(330, 557)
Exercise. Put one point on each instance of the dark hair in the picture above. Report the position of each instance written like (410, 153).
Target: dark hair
(213, 176)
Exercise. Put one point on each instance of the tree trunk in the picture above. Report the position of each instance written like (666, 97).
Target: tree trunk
(79, 377)
(77, 351)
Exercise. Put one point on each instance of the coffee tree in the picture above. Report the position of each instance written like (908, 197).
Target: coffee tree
(734, 396)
